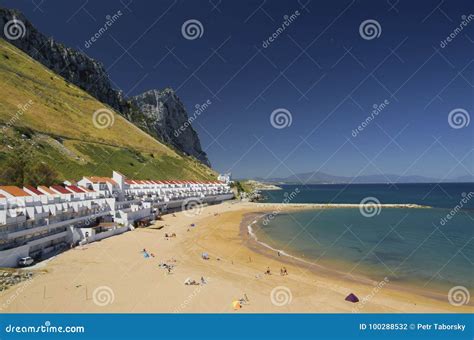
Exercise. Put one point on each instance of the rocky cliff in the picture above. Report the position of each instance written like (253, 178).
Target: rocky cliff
(90, 75)
(167, 117)
(72, 65)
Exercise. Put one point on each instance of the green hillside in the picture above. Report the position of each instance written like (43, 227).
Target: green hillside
(52, 121)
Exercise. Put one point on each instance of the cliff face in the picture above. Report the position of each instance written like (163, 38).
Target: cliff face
(90, 75)
(168, 119)
(72, 65)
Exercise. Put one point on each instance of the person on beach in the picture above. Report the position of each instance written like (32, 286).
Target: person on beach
(268, 272)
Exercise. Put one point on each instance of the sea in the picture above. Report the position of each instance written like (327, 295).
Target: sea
(424, 248)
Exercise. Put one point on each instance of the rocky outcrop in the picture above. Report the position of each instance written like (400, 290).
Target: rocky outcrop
(167, 118)
(157, 113)
(10, 278)
(72, 65)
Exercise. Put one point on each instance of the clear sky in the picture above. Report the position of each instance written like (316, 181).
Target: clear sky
(326, 72)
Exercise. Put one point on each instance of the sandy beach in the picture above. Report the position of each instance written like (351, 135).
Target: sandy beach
(114, 276)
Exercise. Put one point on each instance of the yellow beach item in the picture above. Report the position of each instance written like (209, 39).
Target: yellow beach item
(236, 304)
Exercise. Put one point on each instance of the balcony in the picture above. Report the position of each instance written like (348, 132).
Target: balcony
(53, 223)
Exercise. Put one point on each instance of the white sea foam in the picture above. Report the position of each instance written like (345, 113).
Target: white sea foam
(266, 245)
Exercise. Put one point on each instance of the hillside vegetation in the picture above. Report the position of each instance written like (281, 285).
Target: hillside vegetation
(52, 121)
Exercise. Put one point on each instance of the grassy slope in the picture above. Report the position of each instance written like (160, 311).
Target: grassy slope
(58, 128)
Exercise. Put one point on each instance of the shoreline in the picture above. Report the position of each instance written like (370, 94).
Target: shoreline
(345, 205)
(252, 242)
(69, 282)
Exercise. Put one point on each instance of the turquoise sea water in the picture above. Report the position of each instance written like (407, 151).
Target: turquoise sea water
(420, 247)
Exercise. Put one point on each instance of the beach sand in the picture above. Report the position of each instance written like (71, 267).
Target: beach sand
(114, 276)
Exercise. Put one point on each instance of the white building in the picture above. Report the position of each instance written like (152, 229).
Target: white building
(40, 221)
(226, 178)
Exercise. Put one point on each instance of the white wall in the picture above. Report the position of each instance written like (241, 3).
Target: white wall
(10, 257)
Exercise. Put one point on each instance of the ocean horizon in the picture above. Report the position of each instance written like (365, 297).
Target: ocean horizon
(425, 248)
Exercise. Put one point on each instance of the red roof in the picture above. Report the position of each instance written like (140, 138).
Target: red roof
(85, 189)
(14, 191)
(95, 179)
(75, 188)
(33, 190)
(46, 190)
(60, 189)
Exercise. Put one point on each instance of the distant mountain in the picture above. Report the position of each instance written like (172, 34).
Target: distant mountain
(465, 179)
(324, 178)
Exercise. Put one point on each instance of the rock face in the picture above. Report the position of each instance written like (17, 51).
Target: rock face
(168, 119)
(72, 65)
(162, 110)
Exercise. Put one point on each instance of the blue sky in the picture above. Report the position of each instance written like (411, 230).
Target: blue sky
(320, 69)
